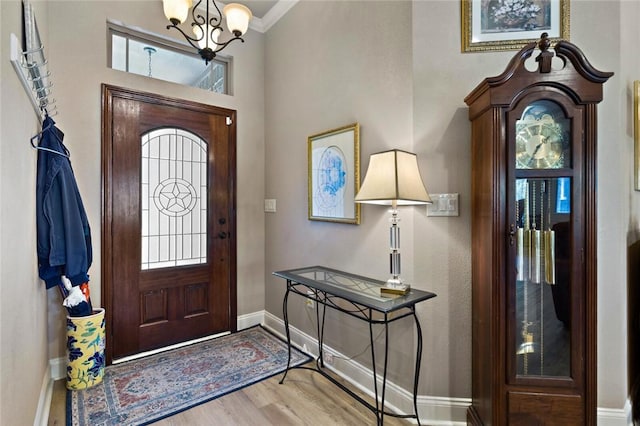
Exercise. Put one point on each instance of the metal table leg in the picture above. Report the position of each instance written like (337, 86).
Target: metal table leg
(320, 326)
(384, 372)
(416, 376)
(286, 329)
(378, 410)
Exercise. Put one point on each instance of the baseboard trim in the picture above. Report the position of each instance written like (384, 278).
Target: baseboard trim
(249, 320)
(44, 401)
(614, 416)
(58, 368)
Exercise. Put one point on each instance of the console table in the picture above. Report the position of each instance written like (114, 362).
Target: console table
(358, 297)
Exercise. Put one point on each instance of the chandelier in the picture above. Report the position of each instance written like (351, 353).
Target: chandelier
(207, 29)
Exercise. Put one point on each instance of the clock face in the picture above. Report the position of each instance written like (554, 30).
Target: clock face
(540, 139)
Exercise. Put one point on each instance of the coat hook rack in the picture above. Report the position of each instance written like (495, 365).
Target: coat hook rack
(31, 66)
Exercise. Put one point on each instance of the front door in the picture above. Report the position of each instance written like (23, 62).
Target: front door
(168, 242)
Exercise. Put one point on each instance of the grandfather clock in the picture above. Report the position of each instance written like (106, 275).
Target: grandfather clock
(534, 239)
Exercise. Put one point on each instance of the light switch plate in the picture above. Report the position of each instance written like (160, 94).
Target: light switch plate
(443, 205)
(270, 205)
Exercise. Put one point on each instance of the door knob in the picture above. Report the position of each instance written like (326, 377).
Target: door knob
(512, 234)
(222, 235)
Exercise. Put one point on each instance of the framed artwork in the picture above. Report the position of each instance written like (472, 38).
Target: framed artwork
(636, 132)
(334, 174)
(492, 25)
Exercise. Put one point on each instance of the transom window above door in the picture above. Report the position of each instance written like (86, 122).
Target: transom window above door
(140, 53)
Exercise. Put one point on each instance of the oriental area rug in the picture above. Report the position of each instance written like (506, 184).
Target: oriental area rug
(149, 389)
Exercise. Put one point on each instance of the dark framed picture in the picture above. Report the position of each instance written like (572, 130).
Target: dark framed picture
(493, 25)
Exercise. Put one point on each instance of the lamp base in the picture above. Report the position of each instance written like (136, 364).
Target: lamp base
(393, 291)
(395, 286)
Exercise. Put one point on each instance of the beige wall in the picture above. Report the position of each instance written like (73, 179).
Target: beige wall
(325, 68)
(324, 77)
(442, 78)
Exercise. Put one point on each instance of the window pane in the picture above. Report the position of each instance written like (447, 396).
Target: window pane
(150, 58)
(118, 53)
(543, 277)
(173, 221)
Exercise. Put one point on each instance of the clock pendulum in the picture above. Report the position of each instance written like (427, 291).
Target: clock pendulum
(549, 247)
(526, 240)
(520, 237)
(535, 257)
(543, 188)
(527, 345)
(525, 247)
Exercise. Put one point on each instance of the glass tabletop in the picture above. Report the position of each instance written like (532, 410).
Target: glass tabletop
(354, 288)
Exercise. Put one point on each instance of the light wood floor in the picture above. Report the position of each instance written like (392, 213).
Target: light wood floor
(305, 398)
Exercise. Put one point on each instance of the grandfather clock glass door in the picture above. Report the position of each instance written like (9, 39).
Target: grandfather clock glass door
(544, 238)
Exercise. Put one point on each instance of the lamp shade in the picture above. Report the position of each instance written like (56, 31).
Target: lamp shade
(393, 177)
(238, 17)
(176, 9)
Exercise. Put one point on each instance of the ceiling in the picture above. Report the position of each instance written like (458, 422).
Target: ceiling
(259, 8)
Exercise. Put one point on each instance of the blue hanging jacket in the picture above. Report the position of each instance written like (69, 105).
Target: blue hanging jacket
(63, 233)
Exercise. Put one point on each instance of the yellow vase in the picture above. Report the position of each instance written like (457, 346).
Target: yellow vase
(85, 350)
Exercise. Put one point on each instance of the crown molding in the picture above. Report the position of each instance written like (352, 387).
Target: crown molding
(274, 15)
(262, 25)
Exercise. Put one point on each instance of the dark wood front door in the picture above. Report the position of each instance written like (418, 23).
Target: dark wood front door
(168, 241)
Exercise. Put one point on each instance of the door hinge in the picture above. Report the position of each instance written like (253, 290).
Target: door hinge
(229, 121)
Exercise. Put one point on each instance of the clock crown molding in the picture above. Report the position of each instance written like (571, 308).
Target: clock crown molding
(570, 51)
(518, 76)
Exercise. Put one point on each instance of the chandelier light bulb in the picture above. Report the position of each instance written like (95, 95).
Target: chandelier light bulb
(215, 34)
(202, 41)
(198, 33)
(238, 17)
(176, 11)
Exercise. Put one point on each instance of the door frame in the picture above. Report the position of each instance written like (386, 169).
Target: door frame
(109, 92)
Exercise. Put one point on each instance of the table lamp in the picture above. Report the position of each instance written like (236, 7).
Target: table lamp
(393, 179)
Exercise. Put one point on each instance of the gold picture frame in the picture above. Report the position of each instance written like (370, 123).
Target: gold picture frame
(636, 133)
(334, 175)
(490, 25)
